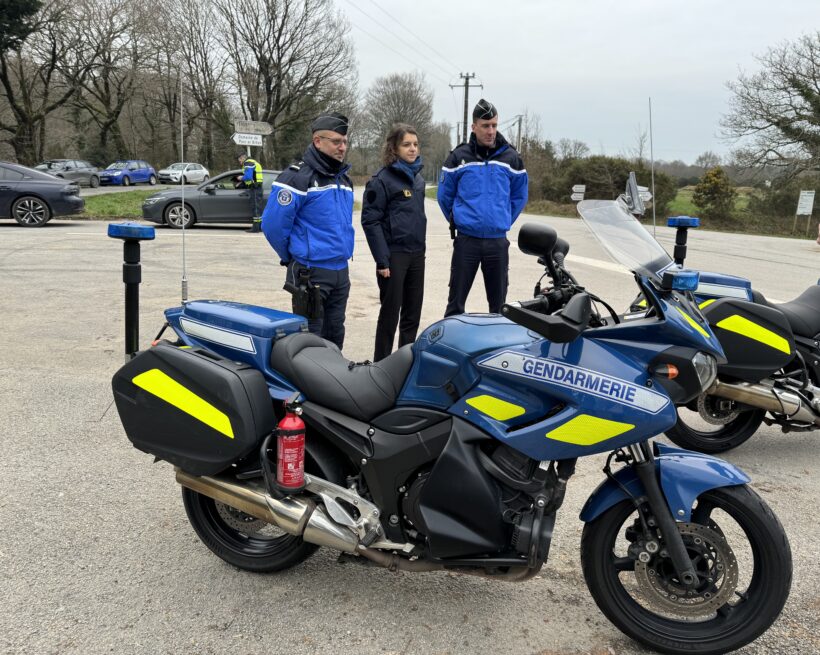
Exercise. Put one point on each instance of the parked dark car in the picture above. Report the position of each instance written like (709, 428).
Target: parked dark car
(76, 170)
(33, 198)
(125, 172)
(218, 200)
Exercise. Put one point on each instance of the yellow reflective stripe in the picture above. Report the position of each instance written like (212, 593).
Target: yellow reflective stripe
(166, 388)
(586, 430)
(495, 408)
(693, 322)
(706, 303)
(642, 303)
(746, 328)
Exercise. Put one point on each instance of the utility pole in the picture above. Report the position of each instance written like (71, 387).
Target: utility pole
(518, 139)
(466, 77)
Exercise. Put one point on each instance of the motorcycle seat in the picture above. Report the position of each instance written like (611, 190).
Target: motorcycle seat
(317, 368)
(803, 313)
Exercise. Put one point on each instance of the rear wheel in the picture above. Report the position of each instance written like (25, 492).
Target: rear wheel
(247, 542)
(177, 217)
(714, 425)
(94, 182)
(739, 551)
(30, 211)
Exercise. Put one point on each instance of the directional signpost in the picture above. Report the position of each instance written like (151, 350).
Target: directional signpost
(578, 191)
(242, 139)
(644, 193)
(805, 206)
(250, 133)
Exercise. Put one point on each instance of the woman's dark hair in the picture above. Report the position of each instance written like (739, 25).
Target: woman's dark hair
(390, 149)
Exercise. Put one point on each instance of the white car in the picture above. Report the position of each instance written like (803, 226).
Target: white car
(183, 173)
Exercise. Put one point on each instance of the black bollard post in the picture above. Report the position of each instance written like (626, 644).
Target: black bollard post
(682, 223)
(131, 235)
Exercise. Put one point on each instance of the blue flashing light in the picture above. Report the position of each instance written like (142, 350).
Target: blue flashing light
(130, 231)
(683, 221)
(686, 280)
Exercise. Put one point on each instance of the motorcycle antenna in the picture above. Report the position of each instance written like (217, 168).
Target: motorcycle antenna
(652, 165)
(182, 190)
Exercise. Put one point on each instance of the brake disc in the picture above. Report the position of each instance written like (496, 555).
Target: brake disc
(238, 520)
(713, 414)
(715, 564)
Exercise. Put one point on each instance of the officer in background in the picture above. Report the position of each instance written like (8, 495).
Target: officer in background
(482, 190)
(309, 222)
(252, 180)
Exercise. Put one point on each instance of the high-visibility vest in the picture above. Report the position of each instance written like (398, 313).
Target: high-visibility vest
(252, 172)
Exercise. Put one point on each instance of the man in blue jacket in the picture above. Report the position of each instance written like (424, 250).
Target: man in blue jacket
(309, 222)
(482, 190)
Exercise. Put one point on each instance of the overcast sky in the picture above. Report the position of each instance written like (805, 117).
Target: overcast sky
(587, 68)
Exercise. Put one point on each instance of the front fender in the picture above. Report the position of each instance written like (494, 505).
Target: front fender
(684, 475)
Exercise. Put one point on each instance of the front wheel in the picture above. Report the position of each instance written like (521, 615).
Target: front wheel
(739, 551)
(714, 425)
(152, 180)
(177, 217)
(126, 181)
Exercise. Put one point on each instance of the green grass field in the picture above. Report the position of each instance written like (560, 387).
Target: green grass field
(127, 204)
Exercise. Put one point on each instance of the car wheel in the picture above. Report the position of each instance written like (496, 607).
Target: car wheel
(126, 181)
(29, 211)
(184, 179)
(94, 182)
(205, 178)
(176, 218)
(152, 180)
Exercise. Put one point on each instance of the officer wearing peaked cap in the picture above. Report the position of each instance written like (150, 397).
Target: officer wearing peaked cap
(482, 190)
(309, 222)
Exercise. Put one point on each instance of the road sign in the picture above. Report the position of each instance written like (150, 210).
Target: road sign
(577, 196)
(579, 188)
(805, 204)
(252, 127)
(247, 139)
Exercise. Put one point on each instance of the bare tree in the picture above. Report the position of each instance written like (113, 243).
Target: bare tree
(33, 83)
(291, 59)
(776, 111)
(398, 98)
(638, 152)
(569, 149)
(114, 55)
(708, 160)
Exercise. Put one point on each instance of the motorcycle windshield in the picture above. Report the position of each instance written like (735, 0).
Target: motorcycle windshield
(623, 237)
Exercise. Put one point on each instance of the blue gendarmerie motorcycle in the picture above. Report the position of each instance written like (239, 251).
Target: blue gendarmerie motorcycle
(771, 372)
(454, 453)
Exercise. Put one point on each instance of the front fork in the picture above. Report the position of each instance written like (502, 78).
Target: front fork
(644, 466)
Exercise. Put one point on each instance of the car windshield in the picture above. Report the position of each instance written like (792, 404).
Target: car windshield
(48, 165)
(177, 167)
(118, 165)
(623, 236)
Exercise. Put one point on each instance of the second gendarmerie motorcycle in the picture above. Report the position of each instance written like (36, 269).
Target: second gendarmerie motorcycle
(772, 370)
(454, 453)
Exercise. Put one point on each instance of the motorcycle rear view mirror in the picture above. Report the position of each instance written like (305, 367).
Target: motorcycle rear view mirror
(632, 196)
(537, 239)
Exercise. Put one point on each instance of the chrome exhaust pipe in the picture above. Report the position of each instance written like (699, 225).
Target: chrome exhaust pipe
(766, 397)
(296, 515)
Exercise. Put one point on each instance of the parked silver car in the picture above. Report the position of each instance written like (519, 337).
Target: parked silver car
(184, 173)
(76, 170)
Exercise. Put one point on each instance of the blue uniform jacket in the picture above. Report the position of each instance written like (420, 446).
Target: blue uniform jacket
(483, 196)
(309, 215)
(393, 213)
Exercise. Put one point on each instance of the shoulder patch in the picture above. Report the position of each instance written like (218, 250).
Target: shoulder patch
(284, 197)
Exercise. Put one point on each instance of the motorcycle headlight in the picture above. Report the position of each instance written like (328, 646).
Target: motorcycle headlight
(706, 368)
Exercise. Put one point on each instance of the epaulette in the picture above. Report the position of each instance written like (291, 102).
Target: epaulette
(296, 165)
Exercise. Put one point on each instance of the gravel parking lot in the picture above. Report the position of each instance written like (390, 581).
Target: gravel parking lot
(96, 554)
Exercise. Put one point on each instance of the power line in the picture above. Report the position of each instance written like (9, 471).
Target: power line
(408, 30)
(400, 54)
(396, 36)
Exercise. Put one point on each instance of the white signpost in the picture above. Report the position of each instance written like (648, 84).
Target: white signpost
(577, 197)
(252, 127)
(805, 206)
(644, 193)
(578, 191)
(242, 139)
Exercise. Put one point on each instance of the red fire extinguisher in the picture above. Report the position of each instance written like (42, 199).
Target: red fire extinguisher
(290, 450)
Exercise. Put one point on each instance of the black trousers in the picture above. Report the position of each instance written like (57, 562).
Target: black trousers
(493, 255)
(257, 206)
(400, 294)
(334, 287)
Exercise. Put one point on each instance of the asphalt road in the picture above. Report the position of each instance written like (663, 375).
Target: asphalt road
(96, 554)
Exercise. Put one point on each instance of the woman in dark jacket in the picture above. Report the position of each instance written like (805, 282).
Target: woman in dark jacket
(395, 224)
